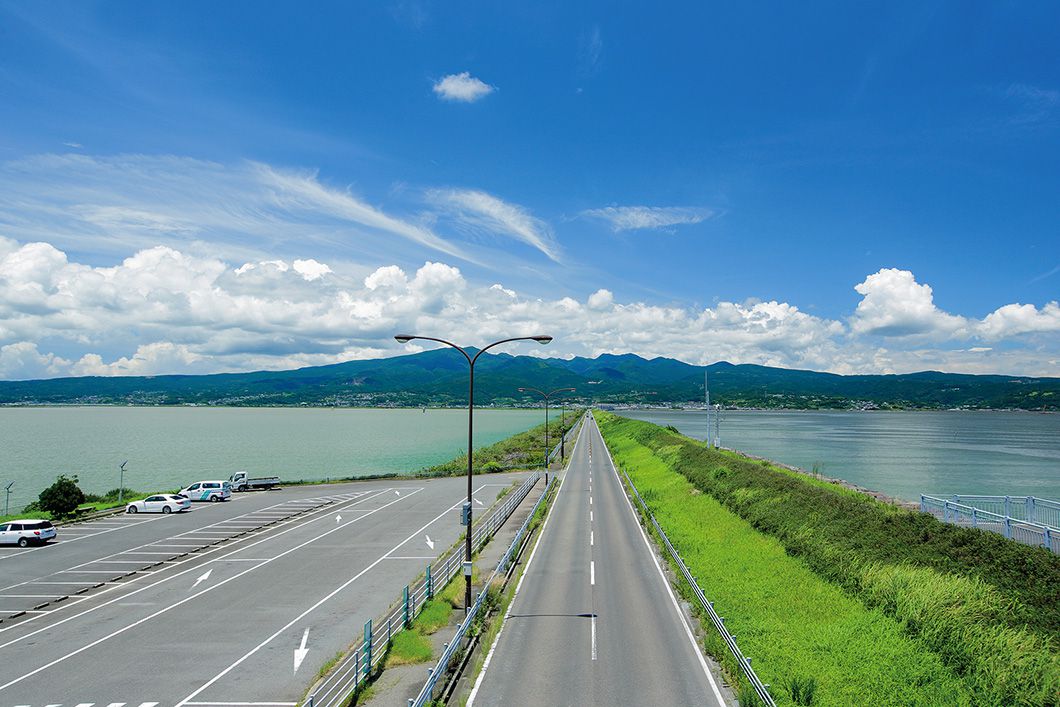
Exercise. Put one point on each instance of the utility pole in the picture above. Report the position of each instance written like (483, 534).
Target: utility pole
(7, 499)
(717, 425)
(121, 482)
(706, 392)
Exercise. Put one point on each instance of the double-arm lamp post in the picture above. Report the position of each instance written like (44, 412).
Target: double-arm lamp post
(546, 396)
(404, 339)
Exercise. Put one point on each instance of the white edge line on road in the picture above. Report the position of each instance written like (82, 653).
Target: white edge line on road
(315, 606)
(294, 524)
(519, 585)
(666, 582)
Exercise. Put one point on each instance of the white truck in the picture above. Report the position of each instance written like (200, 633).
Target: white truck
(241, 482)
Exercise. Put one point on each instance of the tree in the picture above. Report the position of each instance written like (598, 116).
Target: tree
(61, 498)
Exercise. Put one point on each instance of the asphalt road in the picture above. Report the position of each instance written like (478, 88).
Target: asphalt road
(220, 626)
(594, 622)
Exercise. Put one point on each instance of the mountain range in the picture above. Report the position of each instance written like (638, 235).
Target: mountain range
(439, 377)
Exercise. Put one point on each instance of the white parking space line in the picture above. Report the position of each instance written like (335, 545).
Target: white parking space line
(191, 597)
(315, 606)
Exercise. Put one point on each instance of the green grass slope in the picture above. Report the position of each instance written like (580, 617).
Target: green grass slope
(817, 569)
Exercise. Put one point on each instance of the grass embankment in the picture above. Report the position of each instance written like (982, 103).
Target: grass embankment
(525, 450)
(879, 604)
(92, 504)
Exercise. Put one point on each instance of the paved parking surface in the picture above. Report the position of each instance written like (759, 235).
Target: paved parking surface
(220, 625)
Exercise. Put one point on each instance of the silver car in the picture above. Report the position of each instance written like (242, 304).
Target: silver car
(159, 503)
(24, 532)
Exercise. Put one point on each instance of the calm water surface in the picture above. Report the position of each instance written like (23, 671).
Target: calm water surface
(902, 454)
(169, 447)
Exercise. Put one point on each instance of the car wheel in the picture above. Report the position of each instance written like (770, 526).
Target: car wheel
(215, 499)
(23, 542)
(167, 509)
(131, 509)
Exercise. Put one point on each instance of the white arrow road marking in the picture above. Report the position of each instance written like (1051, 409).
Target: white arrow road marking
(478, 502)
(338, 518)
(430, 543)
(397, 493)
(202, 578)
(299, 653)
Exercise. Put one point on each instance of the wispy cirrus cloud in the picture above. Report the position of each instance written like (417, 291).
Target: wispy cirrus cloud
(486, 213)
(630, 218)
(109, 205)
(462, 87)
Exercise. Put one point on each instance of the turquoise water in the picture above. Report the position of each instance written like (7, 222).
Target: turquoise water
(901, 454)
(168, 447)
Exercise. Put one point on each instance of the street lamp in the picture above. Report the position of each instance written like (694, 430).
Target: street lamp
(7, 498)
(546, 396)
(121, 482)
(404, 339)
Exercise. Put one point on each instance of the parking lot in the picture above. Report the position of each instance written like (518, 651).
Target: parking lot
(207, 607)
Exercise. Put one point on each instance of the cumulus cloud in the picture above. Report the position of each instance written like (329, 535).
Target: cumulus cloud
(628, 218)
(486, 213)
(462, 87)
(162, 310)
(895, 304)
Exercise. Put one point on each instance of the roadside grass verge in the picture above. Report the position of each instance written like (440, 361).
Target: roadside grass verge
(522, 451)
(821, 581)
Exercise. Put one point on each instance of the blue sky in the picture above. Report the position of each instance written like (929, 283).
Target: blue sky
(846, 186)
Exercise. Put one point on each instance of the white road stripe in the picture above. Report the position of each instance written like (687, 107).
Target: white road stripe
(171, 606)
(305, 613)
(592, 572)
(518, 586)
(294, 524)
(669, 589)
(591, 538)
(594, 636)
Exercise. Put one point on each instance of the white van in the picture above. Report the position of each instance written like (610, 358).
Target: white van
(208, 491)
(26, 531)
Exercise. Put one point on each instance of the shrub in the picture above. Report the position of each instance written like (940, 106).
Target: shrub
(61, 498)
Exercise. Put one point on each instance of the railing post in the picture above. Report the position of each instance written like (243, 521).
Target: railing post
(1008, 506)
(430, 589)
(1008, 527)
(945, 511)
(975, 518)
(1048, 539)
(1030, 509)
(923, 504)
(405, 601)
(368, 648)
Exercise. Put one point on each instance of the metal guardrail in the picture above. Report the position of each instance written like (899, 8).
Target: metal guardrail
(1022, 531)
(744, 662)
(1027, 508)
(462, 633)
(357, 666)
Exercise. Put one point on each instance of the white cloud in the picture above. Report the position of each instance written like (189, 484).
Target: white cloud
(162, 310)
(895, 304)
(109, 205)
(601, 299)
(1016, 319)
(483, 212)
(462, 87)
(627, 218)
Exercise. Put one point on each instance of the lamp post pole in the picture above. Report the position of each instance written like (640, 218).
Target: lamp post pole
(404, 339)
(121, 482)
(7, 498)
(546, 396)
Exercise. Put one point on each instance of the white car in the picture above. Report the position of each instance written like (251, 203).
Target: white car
(24, 532)
(160, 503)
(208, 491)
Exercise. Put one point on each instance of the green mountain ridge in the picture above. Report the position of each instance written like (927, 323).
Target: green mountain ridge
(439, 377)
